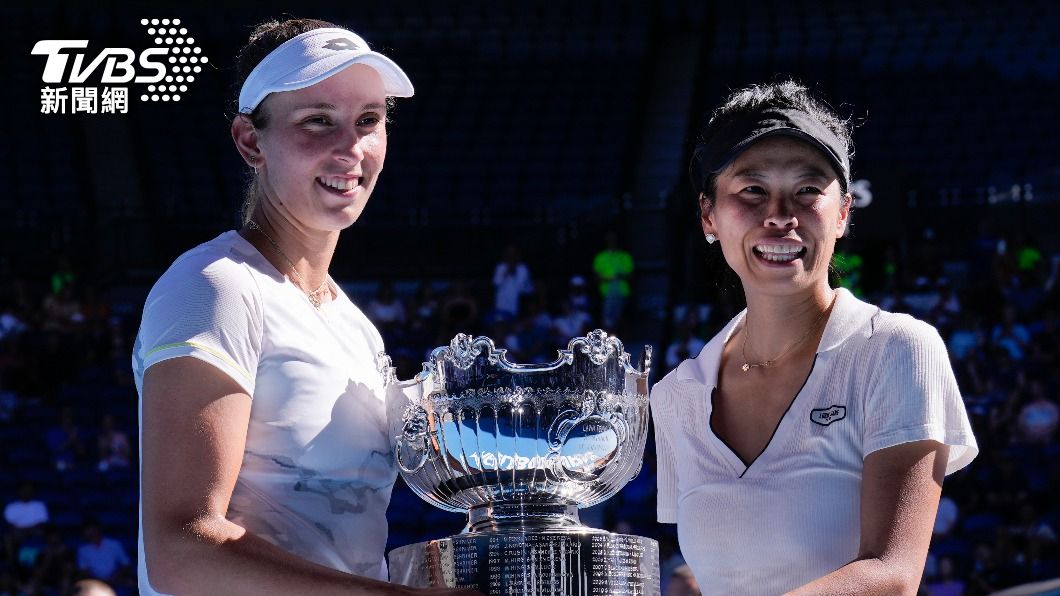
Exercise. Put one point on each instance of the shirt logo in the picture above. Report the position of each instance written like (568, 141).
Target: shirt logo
(826, 416)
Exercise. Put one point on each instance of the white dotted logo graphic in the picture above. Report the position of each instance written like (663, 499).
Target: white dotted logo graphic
(166, 68)
(185, 59)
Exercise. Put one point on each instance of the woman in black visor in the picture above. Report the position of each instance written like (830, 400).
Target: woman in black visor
(803, 450)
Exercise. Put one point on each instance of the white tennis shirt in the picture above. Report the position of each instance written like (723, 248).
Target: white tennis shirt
(317, 470)
(792, 515)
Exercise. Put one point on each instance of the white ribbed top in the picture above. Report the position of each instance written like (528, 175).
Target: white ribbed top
(879, 379)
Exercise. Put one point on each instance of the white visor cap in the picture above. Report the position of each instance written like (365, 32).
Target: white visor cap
(313, 56)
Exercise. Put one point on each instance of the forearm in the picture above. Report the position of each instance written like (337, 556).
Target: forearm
(864, 577)
(212, 556)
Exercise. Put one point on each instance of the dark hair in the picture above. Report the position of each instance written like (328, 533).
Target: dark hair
(266, 37)
(755, 98)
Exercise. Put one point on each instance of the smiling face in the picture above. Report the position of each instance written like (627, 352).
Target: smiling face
(777, 212)
(323, 148)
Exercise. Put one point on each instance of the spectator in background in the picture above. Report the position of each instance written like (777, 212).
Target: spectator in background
(63, 276)
(947, 516)
(686, 344)
(574, 318)
(24, 517)
(62, 312)
(1052, 275)
(966, 337)
(94, 308)
(947, 584)
(848, 265)
(419, 335)
(64, 441)
(10, 323)
(55, 564)
(986, 576)
(502, 329)
(891, 274)
(425, 306)
(101, 557)
(579, 295)
(459, 312)
(9, 402)
(386, 310)
(112, 445)
(1028, 256)
(534, 331)
(947, 307)
(896, 302)
(1033, 527)
(1044, 351)
(118, 341)
(511, 278)
(613, 267)
(1010, 334)
(1039, 416)
(26, 512)
(570, 322)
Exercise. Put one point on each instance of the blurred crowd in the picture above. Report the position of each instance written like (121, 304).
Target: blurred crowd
(67, 429)
(531, 316)
(68, 407)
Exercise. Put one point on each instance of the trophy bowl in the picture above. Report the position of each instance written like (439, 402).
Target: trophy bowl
(520, 448)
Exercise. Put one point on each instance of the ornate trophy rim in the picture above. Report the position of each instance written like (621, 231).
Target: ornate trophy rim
(462, 351)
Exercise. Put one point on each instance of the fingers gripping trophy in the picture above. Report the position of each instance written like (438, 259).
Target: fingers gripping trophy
(519, 448)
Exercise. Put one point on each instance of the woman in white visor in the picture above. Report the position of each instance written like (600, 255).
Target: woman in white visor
(265, 464)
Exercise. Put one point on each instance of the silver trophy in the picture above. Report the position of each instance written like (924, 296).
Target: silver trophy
(519, 448)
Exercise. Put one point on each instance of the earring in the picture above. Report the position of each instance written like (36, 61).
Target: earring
(711, 238)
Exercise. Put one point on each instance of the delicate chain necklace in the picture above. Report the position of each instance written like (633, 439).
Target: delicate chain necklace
(743, 350)
(314, 296)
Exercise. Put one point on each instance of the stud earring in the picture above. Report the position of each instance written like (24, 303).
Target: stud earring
(711, 238)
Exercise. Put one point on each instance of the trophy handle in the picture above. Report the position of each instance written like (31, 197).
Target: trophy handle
(411, 445)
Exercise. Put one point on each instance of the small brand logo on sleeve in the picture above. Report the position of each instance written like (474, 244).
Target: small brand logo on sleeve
(826, 416)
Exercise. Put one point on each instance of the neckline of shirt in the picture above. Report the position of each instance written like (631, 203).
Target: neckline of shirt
(250, 250)
(848, 316)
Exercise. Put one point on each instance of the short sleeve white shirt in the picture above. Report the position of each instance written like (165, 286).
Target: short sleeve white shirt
(511, 284)
(792, 515)
(317, 469)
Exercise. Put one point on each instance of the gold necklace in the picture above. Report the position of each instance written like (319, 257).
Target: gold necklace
(743, 349)
(313, 296)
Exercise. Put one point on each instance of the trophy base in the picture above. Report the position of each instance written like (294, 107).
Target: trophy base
(540, 563)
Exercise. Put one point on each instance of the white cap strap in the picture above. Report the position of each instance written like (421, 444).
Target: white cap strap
(313, 56)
